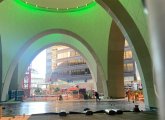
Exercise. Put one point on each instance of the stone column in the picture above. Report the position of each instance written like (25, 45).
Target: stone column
(116, 63)
(0, 69)
(99, 83)
(156, 17)
(14, 80)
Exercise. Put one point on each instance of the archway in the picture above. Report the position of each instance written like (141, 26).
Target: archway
(115, 9)
(138, 46)
(24, 63)
(46, 38)
(65, 68)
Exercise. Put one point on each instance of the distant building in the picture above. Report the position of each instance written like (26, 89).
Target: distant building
(66, 64)
(129, 63)
(131, 74)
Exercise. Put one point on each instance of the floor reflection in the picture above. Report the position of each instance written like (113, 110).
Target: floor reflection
(29, 108)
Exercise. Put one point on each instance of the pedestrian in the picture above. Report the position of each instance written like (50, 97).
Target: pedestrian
(128, 95)
(60, 97)
(136, 96)
(97, 96)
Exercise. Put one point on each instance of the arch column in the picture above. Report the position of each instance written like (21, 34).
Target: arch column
(101, 84)
(14, 85)
(0, 69)
(156, 15)
(115, 63)
(139, 47)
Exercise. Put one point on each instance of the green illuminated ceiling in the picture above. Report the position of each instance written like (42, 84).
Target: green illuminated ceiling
(57, 5)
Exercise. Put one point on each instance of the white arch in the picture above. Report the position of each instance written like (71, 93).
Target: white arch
(46, 38)
(33, 51)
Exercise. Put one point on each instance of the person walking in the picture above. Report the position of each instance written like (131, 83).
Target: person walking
(97, 96)
(60, 97)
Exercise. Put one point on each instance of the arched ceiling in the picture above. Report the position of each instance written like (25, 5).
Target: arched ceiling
(57, 5)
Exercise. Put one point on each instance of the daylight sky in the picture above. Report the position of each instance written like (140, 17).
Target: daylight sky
(39, 63)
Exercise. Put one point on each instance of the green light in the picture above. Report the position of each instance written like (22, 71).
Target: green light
(26, 4)
(37, 7)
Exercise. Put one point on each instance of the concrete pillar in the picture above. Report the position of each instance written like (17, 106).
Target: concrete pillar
(0, 69)
(156, 17)
(99, 83)
(139, 47)
(14, 80)
(115, 63)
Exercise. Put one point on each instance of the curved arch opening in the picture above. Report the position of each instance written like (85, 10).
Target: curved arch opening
(142, 56)
(132, 80)
(47, 40)
(66, 69)
(122, 68)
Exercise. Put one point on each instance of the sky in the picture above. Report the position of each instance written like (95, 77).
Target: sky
(39, 63)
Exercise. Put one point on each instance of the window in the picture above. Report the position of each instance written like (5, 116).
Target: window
(128, 54)
(128, 67)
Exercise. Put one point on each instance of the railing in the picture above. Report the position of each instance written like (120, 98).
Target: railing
(54, 97)
(69, 58)
(71, 67)
(72, 77)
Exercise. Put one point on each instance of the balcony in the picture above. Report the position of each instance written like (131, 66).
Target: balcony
(69, 77)
(64, 50)
(70, 67)
(69, 58)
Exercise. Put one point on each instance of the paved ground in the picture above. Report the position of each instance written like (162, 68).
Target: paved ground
(29, 108)
(39, 108)
(100, 116)
(16, 118)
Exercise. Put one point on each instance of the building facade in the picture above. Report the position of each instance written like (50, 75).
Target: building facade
(132, 78)
(64, 63)
(129, 65)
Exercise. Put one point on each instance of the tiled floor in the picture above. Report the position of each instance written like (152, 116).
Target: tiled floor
(29, 108)
(15, 118)
(33, 108)
(100, 116)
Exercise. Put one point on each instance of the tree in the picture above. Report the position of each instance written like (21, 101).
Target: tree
(57, 89)
(38, 91)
